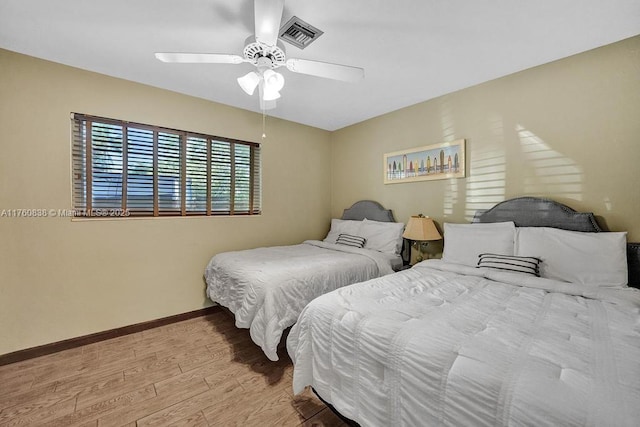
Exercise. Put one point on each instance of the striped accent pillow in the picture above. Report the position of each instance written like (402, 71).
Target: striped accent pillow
(518, 264)
(351, 240)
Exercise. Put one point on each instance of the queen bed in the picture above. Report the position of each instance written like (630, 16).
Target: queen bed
(546, 331)
(266, 288)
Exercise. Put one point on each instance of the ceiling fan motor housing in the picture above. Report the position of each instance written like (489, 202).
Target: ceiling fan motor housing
(262, 55)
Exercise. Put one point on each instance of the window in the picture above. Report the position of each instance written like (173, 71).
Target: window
(131, 169)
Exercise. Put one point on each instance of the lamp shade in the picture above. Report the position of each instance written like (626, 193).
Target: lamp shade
(273, 81)
(269, 94)
(249, 82)
(421, 228)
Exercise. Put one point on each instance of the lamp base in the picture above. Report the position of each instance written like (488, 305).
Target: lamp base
(419, 247)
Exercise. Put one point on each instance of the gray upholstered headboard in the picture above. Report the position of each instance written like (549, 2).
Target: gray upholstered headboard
(539, 212)
(370, 210)
(375, 212)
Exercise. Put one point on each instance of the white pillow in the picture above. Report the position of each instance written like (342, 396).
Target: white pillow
(342, 226)
(595, 259)
(463, 243)
(382, 236)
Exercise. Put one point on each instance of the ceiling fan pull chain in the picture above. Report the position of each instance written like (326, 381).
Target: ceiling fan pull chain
(264, 132)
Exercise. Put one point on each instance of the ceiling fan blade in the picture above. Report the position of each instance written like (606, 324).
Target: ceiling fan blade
(326, 69)
(268, 14)
(199, 58)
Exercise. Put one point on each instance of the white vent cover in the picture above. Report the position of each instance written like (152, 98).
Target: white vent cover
(299, 33)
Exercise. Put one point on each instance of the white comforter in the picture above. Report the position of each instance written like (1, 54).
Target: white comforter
(266, 288)
(443, 344)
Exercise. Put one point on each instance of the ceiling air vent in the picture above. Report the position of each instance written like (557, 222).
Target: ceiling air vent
(299, 33)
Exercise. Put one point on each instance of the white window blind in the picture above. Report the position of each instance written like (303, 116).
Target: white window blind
(146, 170)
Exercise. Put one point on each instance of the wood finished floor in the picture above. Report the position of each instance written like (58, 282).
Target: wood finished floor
(199, 372)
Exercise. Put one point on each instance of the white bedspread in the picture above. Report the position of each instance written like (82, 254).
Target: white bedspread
(266, 288)
(442, 344)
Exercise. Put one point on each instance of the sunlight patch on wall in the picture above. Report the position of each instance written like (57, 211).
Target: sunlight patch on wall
(447, 124)
(487, 174)
(486, 181)
(451, 196)
(547, 172)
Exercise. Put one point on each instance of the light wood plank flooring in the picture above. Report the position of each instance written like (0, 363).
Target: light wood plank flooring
(199, 372)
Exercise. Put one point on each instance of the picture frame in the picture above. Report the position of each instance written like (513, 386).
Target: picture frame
(430, 162)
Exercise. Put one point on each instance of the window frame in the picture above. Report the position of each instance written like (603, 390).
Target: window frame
(245, 186)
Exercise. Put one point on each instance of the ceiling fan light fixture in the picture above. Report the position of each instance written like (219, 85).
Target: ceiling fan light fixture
(270, 94)
(273, 81)
(249, 82)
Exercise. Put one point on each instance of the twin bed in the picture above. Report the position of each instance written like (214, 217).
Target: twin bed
(548, 333)
(267, 288)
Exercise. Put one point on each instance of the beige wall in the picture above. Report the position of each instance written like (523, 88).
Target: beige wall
(568, 130)
(61, 279)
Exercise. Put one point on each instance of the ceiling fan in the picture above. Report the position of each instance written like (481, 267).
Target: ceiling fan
(267, 53)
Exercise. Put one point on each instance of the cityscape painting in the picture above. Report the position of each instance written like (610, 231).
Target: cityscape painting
(438, 161)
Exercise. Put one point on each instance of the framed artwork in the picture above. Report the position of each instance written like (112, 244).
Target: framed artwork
(438, 161)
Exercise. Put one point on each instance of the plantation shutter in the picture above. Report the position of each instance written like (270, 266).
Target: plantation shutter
(79, 164)
(256, 182)
(140, 171)
(221, 177)
(197, 171)
(106, 165)
(169, 169)
(133, 169)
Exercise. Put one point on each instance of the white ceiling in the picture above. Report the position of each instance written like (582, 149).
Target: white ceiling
(411, 50)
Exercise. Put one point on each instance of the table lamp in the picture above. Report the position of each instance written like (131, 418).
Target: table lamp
(421, 229)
